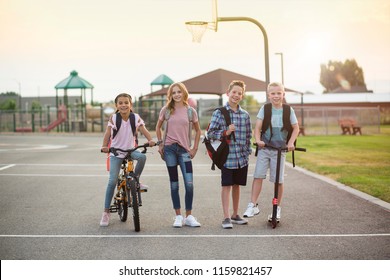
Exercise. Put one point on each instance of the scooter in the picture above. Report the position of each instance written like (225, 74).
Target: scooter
(272, 218)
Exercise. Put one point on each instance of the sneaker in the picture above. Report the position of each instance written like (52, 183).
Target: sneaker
(178, 221)
(279, 210)
(251, 210)
(143, 187)
(105, 219)
(191, 221)
(227, 223)
(238, 220)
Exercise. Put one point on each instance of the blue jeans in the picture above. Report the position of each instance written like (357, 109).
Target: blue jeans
(175, 155)
(115, 165)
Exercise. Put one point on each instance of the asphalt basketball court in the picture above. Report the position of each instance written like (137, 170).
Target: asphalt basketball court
(52, 191)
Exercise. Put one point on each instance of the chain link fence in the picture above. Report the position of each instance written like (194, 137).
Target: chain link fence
(315, 120)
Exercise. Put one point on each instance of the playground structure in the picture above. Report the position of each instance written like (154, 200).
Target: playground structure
(62, 116)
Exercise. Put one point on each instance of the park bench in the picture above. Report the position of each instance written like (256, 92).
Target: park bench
(349, 126)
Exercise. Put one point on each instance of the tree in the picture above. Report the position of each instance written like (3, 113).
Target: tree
(9, 93)
(341, 77)
(8, 104)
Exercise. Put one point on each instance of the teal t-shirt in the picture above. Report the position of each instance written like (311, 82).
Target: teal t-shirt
(279, 137)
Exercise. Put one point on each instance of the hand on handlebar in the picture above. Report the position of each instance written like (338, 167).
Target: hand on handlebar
(260, 144)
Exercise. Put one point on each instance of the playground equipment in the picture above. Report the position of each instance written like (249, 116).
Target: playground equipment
(62, 116)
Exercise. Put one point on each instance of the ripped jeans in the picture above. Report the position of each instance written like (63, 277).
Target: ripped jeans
(175, 155)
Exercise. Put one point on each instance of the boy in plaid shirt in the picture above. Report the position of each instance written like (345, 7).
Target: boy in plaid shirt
(235, 170)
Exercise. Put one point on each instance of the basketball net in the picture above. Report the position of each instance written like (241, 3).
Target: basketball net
(197, 29)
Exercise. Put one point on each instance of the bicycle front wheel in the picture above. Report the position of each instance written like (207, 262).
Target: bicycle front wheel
(122, 205)
(134, 204)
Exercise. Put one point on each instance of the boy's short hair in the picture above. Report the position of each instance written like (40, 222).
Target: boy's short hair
(237, 83)
(275, 84)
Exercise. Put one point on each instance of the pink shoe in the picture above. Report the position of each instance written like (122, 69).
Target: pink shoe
(143, 187)
(105, 219)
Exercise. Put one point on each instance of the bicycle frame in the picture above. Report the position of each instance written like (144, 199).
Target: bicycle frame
(128, 188)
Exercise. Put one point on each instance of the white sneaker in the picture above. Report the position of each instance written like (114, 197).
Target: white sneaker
(105, 219)
(191, 221)
(143, 187)
(278, 212)
(251, 210)
(178, 221)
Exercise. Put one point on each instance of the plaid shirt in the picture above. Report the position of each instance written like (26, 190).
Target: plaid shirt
(240, 149)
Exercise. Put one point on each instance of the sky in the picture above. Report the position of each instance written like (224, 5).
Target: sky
(123, 45)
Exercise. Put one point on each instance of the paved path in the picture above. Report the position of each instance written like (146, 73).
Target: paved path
(52, 190)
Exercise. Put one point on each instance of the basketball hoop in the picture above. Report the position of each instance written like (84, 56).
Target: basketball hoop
(197, 29)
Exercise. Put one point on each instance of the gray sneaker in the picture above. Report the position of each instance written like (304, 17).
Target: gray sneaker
(238, 220)
(227, 223)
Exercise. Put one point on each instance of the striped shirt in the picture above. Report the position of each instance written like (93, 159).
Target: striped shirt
(240, 149)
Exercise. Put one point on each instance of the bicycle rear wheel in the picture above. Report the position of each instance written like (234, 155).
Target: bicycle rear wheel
(134, 204)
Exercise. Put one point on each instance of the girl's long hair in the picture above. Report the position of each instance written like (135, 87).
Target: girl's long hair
(170, 101)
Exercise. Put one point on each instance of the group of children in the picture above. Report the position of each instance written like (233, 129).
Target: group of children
(176, 148)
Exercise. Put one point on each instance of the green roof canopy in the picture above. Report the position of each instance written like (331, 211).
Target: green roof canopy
(162, 80)
(73, 81)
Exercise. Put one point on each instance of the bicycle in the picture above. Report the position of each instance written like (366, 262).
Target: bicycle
(273, 220)
(128, 193)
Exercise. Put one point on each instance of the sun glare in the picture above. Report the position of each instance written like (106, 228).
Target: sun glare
(317, 45)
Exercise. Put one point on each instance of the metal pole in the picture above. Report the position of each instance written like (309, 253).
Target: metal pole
(266, 53)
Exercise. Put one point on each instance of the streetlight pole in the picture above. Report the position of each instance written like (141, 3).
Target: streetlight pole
(281, 62)
(20, 95)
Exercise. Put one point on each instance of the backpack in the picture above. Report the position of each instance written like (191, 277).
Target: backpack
(286, 120)
(115, 132)
(168, 114)
(218, 150)
(286, 123)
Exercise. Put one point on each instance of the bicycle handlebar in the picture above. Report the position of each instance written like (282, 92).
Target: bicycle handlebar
(129, 151)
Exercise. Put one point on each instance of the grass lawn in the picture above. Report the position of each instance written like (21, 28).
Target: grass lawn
(361, 162)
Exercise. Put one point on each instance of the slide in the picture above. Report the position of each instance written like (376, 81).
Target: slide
(61, 117)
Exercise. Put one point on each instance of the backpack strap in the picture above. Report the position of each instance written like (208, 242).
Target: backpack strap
(226, 115)
(132, 123)
(189, 112)
(287, 126)
(118, 123)
(286, 120)
(267, 119)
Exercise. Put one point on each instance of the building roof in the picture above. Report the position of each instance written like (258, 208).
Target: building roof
(162, 80)
(216, 82)
(73, 81)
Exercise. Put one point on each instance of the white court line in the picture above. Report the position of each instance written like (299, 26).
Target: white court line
(100, 175)
(195, 236)
(89, 164)
(7, 166)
